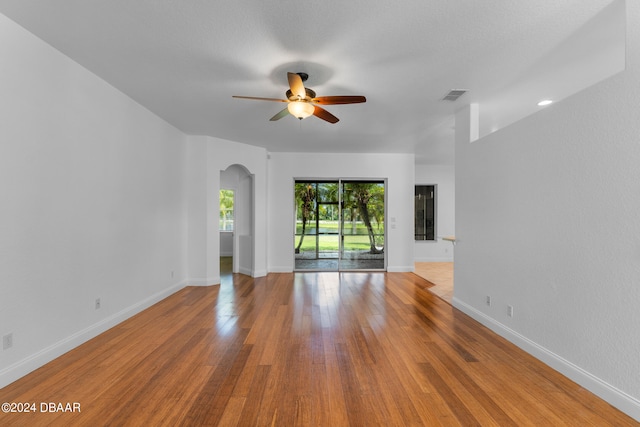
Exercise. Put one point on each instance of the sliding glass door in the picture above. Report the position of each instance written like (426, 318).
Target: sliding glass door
(317, 235)
(362, 225)
(339, 225)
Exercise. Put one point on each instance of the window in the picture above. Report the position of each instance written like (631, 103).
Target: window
(425, 218)
(226, 210)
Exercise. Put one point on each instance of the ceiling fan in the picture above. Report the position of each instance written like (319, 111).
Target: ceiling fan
(302, 102)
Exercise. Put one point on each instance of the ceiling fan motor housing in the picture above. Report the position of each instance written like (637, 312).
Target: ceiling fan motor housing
(310, 94)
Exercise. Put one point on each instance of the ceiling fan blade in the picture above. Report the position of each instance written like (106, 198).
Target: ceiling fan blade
(334, 100)
(280, 115)
(323, 114)
(296, 85)
(260, 99)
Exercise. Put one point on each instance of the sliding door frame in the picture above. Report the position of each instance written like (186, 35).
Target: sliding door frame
(340, 182)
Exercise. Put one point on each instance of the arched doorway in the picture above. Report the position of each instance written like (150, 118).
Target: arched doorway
(236, 220)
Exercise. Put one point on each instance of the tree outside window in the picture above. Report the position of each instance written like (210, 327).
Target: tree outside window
(226, 210)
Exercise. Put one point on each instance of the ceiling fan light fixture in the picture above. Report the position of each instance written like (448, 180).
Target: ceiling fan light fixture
(302, 101)
(300, 109)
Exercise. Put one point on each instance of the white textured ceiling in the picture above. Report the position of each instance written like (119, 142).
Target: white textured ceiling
(184, 60)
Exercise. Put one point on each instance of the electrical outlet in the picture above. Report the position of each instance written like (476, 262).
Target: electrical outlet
(7, 341)
(97, 303)
(488, 300)
(510, 311)
(172, 274)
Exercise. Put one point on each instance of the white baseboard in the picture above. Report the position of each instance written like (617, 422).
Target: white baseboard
(401, 269)
(280, 269)
(30, 363)
(197, 281)
(245, 271)
(392, 269)
(434, 259)
(617, 398)
(259, 273)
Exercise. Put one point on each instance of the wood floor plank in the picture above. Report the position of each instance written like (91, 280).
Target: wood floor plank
(321, 349)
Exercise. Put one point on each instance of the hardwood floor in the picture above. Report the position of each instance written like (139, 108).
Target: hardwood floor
(321, 349)
(440, 274)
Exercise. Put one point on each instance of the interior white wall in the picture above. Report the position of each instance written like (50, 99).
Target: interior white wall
(243, 260)
(93, 204)
(443, 176)
(207, 158)
(547, 222)
(398, 169)
(226, 243)
(197, 190)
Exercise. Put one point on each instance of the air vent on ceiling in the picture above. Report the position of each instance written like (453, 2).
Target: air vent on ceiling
(454, 94)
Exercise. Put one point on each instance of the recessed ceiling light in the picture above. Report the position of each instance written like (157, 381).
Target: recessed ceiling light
(545, 102)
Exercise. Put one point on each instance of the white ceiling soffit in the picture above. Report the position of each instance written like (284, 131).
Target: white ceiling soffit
(593, 53)
(184, 60)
